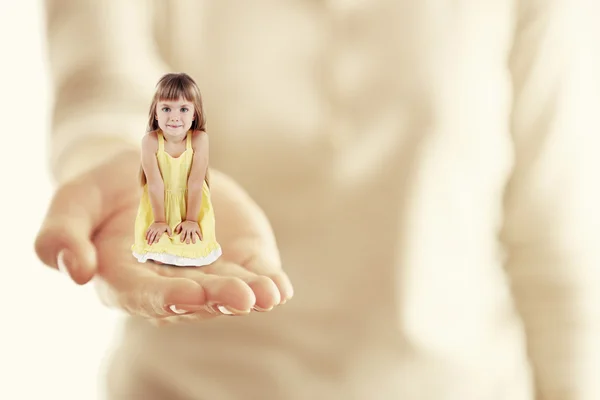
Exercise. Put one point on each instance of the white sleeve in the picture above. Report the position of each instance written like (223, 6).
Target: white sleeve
(552, 221)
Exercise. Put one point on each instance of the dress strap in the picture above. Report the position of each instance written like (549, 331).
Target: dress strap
(161, 142)
(188, 145)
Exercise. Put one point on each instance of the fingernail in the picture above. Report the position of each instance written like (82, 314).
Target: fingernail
(224, 310)
(219, 309)
(177, 310)
(257, 308)
(60, 261)
(184, 309)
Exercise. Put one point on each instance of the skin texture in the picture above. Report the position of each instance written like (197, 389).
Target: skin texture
(87, 234)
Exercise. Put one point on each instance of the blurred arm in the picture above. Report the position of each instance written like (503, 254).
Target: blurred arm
(552, 206)
(103, 68)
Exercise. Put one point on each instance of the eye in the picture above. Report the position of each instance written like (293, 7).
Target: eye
(165, 109)
(185, 109)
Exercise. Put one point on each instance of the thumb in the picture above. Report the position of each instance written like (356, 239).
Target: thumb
(78, 207)
(63, 241)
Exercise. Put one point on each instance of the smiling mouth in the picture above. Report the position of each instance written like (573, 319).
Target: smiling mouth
(174, 126)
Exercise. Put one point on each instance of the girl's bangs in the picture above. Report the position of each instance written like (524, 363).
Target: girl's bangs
(175, 89)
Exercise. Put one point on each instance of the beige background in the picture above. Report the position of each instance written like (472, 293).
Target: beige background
(50, 345)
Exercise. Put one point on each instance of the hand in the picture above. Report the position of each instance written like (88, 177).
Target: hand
(188, 230)
(156, 230)
(88, 231)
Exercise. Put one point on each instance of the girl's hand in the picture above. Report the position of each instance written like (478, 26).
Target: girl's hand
(188, 230)
(156, 230)
(89, 229)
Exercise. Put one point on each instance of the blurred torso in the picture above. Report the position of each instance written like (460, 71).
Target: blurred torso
(375, 136)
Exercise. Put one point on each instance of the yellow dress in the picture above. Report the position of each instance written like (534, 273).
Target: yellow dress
(170, 250)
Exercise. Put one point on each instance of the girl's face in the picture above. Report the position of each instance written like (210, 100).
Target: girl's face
(175, 118)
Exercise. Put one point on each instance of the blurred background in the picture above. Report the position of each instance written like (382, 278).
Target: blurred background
(46, 338)
(51, 346)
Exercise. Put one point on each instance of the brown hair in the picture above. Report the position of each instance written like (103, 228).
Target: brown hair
(172, 87)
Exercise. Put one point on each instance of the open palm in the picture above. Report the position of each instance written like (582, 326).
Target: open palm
(90, 225)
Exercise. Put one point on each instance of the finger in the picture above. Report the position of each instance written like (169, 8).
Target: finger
(182, 315)
(265, 291)
(230, 294)
(169, 231)
(264, 260)
(193, 237)
(270, 268)
(178, 228)
(64, 237)
(216, 303)
(150, 296)
(199, 235)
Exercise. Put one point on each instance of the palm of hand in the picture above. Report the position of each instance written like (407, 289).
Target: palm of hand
(247, 276)
(150, 290)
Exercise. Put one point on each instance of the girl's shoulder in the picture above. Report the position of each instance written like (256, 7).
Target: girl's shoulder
(150, 141)
(199, 138)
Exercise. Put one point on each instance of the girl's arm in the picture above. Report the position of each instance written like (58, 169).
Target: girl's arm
(156, 186)
(552, 217)
(197, 175)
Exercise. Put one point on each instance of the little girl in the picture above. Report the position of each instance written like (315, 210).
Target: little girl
(175, 223)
